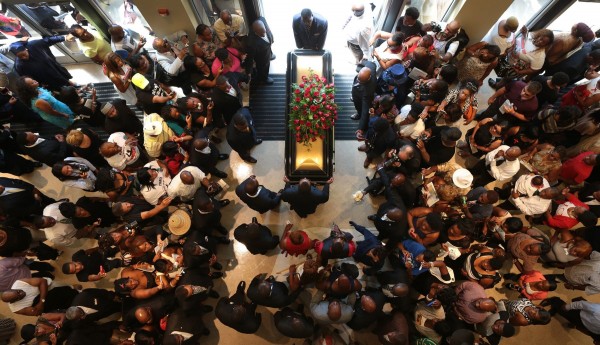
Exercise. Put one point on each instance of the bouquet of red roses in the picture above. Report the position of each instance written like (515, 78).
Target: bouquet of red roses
(312, 108)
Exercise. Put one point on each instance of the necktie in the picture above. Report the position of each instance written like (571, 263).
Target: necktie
(500, 161)
(536, 193)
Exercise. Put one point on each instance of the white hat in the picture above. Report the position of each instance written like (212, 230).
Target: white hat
(153, 128)
(462, 178)
(179, 222)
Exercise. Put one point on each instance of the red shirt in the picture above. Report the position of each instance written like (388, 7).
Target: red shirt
(532, 277)
(560, 222)
(575, 169)
(298, 249)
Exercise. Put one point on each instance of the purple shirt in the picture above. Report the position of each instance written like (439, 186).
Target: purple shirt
(12, 270)
(513, 93)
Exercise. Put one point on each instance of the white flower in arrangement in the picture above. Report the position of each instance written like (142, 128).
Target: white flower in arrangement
(358, 196)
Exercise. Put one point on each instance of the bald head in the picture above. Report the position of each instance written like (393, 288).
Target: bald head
(512, 153)
(143, 315)
(334, 310)
(251, 187)
(304, 185)
(160, 45)
(359, 7)
(368, 304)
(10, 296)
(398, 180)
(187, 177)
(225, 16)
(453, 26)
(400, 290)
(259, 28)
(395, 214)
(364, 75)
(200, 144)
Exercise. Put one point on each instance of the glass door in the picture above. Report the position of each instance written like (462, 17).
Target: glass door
(46, 19)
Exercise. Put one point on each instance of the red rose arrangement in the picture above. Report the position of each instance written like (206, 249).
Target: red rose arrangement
(312, 108)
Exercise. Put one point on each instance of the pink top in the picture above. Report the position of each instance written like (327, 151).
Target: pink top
(236, 66)
(532, 277)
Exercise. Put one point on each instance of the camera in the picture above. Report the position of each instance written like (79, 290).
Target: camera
(435, 27)
(391, 161)
(132, 227)
(424, 138)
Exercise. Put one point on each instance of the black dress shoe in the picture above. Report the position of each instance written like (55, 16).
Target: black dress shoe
(273, 56)
(207, 309)
(224, 202)
(269, 81)
(220, 174)
(355, 117)
(217, 266)
(492, 83)
(249, 159)
(205, 331)
(372, 217)
(223, 156)
(258, 141)
(213, 294)
(38, 164)
(221, 229)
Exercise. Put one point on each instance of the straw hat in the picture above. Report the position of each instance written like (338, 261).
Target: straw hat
(462, 178)
(179, 222)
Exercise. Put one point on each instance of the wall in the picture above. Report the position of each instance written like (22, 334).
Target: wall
(477, 17)
(181, 16)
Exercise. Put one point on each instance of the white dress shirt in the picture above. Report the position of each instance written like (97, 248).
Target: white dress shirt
(184, 191)
(504, 171)
(590, 314)
(358, 31)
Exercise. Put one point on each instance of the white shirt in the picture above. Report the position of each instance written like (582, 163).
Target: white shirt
(31, 292)
(161, 184)
(563, 209)
(524, 186)
(493, 37)
(440, 46)
(358, 31)
(506, 170)
(590, 314)
(587, 273)
(529, 55)
(386, 54)
(63, 232)
(11, 190)
(186, 192)
(127, 43)
(129, 153)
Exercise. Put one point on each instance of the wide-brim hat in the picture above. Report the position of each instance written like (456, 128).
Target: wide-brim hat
(180, 222)
(462, 178)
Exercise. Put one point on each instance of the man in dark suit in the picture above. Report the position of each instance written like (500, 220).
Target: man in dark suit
(207, 213)
(256, 196)
(259, 51)
(45, 150)
(266, 291)
(363, 93)
(367, 309)
(193, 288)
(241, 135)
(256, 237)
(227, 98)
(149, 311)
(310, 30)
(294, 324)
(303, 197)
(92, 305)
(238, 314)
(390, 219)
(20, 199)
(184, 327)
(205, 156)
(199, 256)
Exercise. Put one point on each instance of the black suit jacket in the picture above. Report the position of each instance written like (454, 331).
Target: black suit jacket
(22, 203)
(283, 322)
(394, 230)
(361, 318)
(205, 223)
(226, 105)
(189, 321)
(363, 95)
(263, 202)
(313, 38)
(304, 204)
(160, 305)
(49, 152)
(242, 142)
(260, 244)
(100, 299)
(249, 323)
(259, 50)
(206, 162)
(279, 298)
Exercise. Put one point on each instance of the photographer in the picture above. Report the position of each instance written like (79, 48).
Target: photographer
(380, 137)
(437, 145)
(449, 41)
(406, 159)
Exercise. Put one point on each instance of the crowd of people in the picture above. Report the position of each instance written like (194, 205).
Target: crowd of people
(422, 266)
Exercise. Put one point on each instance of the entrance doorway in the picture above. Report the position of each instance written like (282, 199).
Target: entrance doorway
(279, 16)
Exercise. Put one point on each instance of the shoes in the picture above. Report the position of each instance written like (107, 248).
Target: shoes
(258, 141)
(215, 139)
(220, 174)
(223, 240)
(355, 117)
(249, 159)
(217, 265)
(207, 309)
(38, 164)
(512, 286)
(205, 331)
(372, 217)
(223, 156)
(269, 81)
(213, 294)
(224, 202)
(221, 229)
(362, 148)
(492, 83)
(273, 56)
(366, 163)
(216, 275)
